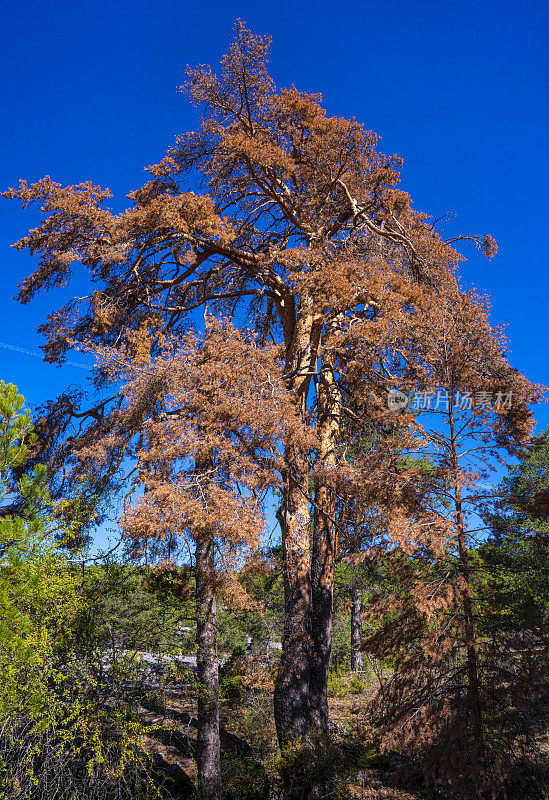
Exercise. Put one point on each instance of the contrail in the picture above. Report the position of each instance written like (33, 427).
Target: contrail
(39, 355)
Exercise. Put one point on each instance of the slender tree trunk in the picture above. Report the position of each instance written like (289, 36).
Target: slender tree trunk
(324, 546)
(473, 673)
(473, 681)
(291, 695)
(208, 750)
(357, 657)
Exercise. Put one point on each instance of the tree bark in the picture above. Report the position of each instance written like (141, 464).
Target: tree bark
(322, 605)
(208, 750)
(324, 546)
(291, 694)
(473, 681)
(357, 657)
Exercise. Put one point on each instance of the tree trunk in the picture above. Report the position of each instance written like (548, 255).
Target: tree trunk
(322, 604)
(473, 681)
(208, 750)
(291, 694)
(472, 674)
(324, 546)
(357, 658)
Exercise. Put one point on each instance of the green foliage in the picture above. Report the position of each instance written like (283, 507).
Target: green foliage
(61, 734)
(421, 464)
(342, 685)
(341, 628)
(528, 483)
(512, 566)
(245, 780)
(358, 686)
(125, 609)
(512, 579)
(232, 629)
(68, 722)
(38, 598)
(231, 674)
(374, 760)
(306, 770)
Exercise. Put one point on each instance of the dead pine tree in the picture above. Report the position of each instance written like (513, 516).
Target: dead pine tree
(471, 409)
(302, 231)
(206, 460)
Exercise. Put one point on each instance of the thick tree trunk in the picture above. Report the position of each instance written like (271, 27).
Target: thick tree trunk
(291, 695)
(357, 657)
(324, 547)
(208, 750)
(322, 604)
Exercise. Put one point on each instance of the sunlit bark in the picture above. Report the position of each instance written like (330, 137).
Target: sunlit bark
(357, 656)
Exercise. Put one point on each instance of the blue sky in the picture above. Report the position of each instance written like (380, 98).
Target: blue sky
(458, 89)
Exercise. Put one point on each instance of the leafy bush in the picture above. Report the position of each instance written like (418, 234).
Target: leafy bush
(63, 732)
(341, 685)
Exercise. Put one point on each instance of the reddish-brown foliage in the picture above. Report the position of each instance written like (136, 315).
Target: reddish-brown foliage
(303, 233)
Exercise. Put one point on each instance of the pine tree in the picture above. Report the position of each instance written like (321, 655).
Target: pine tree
(470, 409)
(304, 234)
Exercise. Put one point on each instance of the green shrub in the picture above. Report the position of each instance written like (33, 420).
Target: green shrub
(63, 731)
(374, 760)
(337, 685)
(358, 686)
(340, 685)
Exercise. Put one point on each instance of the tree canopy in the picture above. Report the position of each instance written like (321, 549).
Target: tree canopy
(324, 294)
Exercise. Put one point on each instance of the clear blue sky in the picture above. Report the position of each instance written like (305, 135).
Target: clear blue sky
(458, 89)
